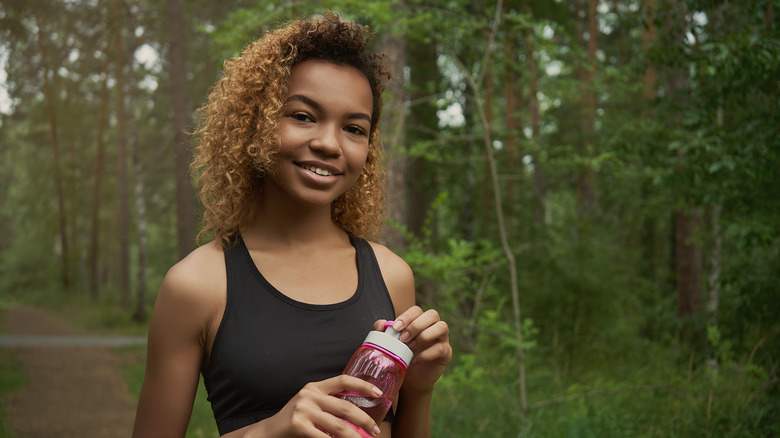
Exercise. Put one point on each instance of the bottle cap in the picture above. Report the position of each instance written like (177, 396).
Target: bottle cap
(388, 341)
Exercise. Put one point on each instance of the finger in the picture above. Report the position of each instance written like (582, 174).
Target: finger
(436, 332)
(380, 324)
(440, 352)
(345, 382)
(345, 410)
(403, 320)
(422, 322)
(331, 425)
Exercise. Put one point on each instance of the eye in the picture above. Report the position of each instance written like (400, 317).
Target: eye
(301, 117)
(357, 130)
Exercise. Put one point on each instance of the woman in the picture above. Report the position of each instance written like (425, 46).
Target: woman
(271, 310)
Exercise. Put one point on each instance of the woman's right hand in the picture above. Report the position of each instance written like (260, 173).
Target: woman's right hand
(315, 412)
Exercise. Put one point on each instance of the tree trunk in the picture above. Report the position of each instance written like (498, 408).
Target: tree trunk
(394, 138)
(423, 126)
(687, 251)
(140, 207)
(585, 189)
(512, 96)
(533, 108)
(648, 39)
(124, 201)
(713, 280)
(688, 260)
(94, 275)
(58, 183)
(649, 221)
(185, 202)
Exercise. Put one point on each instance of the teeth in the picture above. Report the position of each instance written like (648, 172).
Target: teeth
(318, 171)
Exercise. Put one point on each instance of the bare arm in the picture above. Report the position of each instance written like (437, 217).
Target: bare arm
(176, 347)
(426, 335)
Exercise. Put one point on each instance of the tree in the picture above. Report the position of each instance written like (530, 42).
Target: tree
(394, 47)
(55, 145)
(185, 204)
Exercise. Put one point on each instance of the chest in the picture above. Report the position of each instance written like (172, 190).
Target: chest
(313, 277)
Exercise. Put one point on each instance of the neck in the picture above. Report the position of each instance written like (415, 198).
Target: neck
(281, 221)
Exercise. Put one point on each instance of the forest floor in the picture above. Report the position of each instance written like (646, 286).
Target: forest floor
(74, 390)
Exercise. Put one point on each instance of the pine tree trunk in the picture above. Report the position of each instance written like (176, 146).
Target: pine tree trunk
(512, 96)
(140, 207)
(423, 126)
(185, 202)
(688, 260)
(58, 182)
(394, 123)
(585, 189)
(713, 280)
(648, 39)
(687, 219)
(124, 197)
(94, 248)
(649, 222)
(533, 108)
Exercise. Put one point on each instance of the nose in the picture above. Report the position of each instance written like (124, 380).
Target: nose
(327, 140)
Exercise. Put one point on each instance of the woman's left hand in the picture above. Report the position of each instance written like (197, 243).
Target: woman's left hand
(428, 338)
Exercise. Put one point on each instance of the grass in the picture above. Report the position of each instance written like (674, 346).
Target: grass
(12, 379)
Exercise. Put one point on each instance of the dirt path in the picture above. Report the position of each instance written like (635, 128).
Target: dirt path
(74, 391)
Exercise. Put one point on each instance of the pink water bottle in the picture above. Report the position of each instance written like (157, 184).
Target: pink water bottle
(382, 360)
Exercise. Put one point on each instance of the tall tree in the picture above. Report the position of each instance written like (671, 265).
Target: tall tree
(139, 314)
(687, 217)
(94, 248)
(422, 130)
(587, 32)
(185, 204)
(394, 134)
(55, 145)
(120, 57)
(537, 178)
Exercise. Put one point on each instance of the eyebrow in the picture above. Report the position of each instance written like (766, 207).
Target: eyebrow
(314, 104)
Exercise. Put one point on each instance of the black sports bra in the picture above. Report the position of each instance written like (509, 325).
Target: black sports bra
(268, 346)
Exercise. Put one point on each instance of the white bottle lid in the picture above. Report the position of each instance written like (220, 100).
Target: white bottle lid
(388, 341)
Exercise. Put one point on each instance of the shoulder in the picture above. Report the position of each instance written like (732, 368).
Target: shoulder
(398, 277)
(202, 268)
(193, 290)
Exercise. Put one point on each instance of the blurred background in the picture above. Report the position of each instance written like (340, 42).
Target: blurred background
(588, 192)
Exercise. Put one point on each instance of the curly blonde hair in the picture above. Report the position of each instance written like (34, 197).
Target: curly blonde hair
(238, 128)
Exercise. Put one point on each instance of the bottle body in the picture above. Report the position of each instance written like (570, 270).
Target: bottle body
(382, 361)
(387, 373)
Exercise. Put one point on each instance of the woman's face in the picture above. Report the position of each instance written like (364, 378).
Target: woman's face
(324, 133)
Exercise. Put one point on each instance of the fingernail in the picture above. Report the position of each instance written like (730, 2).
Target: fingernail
(398, 325)
(405, 336)
(376, 431)
(377, 392)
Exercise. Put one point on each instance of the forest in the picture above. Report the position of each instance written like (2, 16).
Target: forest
(587, 190)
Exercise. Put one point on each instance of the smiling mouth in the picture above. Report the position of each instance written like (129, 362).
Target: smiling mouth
(317, 170)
